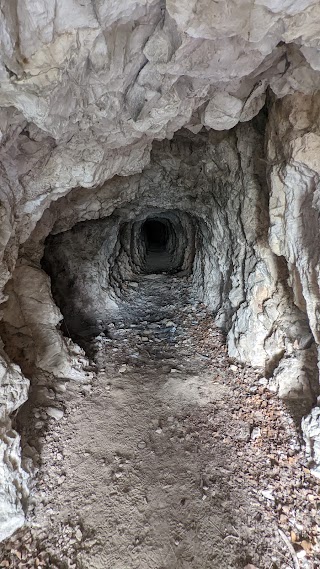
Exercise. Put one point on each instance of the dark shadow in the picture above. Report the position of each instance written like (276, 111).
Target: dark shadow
(155, 235)
(159, 243)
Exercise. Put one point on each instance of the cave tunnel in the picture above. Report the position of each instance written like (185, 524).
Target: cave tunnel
(160, 289)
(89, 263)
(160, 242)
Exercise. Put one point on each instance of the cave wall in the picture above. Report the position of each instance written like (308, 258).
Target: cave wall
(85, 90)
(293, 152)
(220, 180)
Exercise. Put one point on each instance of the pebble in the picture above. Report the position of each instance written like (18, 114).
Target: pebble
(256, 433)
(55, 413)
(233, 368)
(263, 381)
(267, 494)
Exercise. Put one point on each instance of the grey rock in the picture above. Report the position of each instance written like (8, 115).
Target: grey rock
(55, 413)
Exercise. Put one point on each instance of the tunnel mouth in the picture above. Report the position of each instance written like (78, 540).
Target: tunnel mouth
(92, 264)
(155, 234)
(159, 243)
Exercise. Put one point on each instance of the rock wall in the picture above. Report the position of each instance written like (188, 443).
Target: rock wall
(86, 91)
(294, 168)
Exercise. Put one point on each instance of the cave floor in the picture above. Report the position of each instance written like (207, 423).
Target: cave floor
(173, 457)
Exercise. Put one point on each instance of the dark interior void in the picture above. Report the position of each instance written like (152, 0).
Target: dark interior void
(155, 235)
(158, 243)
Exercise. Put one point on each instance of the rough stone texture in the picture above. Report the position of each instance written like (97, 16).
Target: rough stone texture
(311, 432)
(31, 316)
(298, 378)
(13, 492)
(293, 152)
(86, 88)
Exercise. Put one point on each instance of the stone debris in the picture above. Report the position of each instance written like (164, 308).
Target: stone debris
(265, 457)
(55, 413)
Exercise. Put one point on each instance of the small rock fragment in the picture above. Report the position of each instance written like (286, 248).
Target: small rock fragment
(55, 413)
(78, 535)
(255, 433)
(267, 494)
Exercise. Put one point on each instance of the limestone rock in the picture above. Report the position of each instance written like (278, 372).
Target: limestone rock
(298, 378)
(30, 312)
(13, 482)
(13, 388)
(222, 112)
(311, 434)
(55, 413)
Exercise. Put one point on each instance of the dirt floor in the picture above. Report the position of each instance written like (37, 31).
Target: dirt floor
(173, 457)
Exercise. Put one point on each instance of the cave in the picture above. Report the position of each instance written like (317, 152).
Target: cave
(160, 285)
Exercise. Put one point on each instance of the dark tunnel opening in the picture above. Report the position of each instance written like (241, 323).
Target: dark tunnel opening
(155, 235)
(159, 243)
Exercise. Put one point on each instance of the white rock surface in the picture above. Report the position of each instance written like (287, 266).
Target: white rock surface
(13, 489)
(55, 413)
(311, 434)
